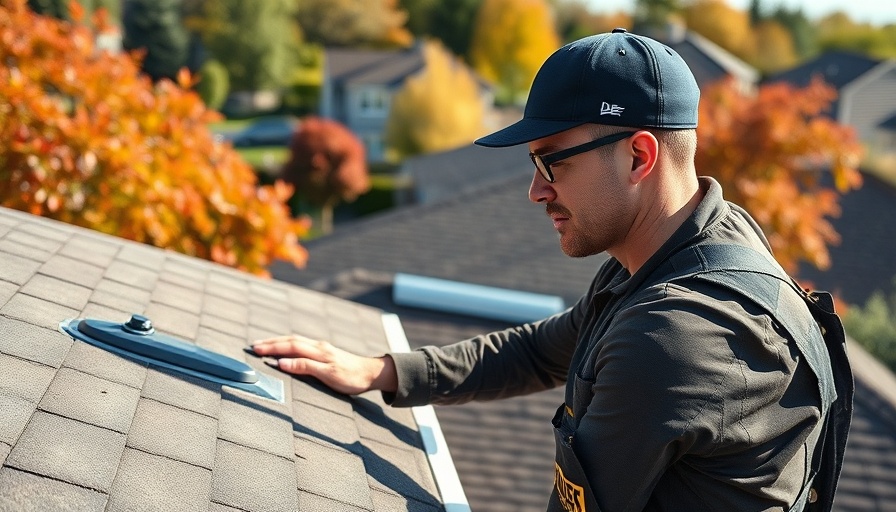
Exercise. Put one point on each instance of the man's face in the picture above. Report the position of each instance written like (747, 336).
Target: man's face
(590, 201)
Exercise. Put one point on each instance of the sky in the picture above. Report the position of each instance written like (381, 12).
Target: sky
(878, 12)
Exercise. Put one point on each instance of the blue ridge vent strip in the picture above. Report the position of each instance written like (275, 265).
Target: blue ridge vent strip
(138, 339)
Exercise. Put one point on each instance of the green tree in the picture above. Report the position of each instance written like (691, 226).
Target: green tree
(652, 14)
(154, 27)
(722, 24)
(256, 41)
(838, 31)
(60, 9)
(774, 47)
(511, 39)
(449, 21)
(377, 23)
(440, 108)
(213, 84)
(575, 20)
(874, 326)
(801, 29)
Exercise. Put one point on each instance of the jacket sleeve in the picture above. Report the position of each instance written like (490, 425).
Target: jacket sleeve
(520, 360)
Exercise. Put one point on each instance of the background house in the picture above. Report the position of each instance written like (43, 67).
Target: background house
(866, 92)
(86, 429)
(358, 87)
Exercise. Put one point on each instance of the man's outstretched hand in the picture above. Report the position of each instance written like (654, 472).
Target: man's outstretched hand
(343, 371)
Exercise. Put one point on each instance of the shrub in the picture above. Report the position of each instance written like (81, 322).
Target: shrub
(213, 84)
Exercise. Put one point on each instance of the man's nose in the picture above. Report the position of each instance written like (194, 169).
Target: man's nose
(540, 190)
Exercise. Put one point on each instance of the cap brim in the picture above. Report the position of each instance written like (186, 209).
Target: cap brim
(525, 130)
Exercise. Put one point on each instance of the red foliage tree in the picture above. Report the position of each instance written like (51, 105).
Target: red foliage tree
(85, 138)
(327, 164)
(770, 150)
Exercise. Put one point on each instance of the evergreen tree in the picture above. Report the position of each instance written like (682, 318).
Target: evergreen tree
(256, 41)
(155, 26)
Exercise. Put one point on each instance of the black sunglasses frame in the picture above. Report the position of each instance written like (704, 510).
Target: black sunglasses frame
(543, 162)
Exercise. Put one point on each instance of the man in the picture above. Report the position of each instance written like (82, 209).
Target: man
(692, 370)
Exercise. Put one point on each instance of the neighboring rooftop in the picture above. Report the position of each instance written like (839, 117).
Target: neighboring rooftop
(85, 429)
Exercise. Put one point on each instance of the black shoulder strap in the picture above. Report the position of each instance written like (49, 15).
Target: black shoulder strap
(822, 342)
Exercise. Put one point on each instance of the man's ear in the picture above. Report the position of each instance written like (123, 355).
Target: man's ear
(645, 151)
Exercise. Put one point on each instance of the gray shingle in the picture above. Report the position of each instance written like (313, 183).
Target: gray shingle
(15, 413)
(387, 501)
(255, 423)
(221, 307)
(132, 275)
(310, 501)
(44, 346)
(17, 269)
(37, 311)
(90, 249)
(144, 256)
(24, 379)
(175, 433)
(11, 246)
(73, 270)
(402, 471)
(106, 365)
(325, 426)
(35, 240)
(178, 297)
(60, 292)
(341, 467)
(7, 290)
(174, 321)
(237, 483)
(68, 450)
(4, 451)
(182, 391)
(24, 492)
(311, 391)
(120, 296)
(84, 397)
(147, 482)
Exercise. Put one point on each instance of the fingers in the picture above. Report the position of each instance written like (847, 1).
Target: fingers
(288, 346)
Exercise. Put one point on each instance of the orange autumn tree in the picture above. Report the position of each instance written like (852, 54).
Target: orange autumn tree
(85, 138)
(770, 150)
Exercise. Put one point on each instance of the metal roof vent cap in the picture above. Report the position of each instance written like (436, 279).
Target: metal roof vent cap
(138, 339)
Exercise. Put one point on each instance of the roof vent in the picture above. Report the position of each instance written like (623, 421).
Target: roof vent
(138, 339)
(473, 299)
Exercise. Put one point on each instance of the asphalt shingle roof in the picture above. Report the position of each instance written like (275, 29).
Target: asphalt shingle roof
(86, 429)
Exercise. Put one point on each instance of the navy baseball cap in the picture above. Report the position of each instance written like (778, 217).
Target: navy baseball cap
(617, 78)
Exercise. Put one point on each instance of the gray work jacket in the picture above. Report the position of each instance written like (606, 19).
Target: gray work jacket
(679, 395)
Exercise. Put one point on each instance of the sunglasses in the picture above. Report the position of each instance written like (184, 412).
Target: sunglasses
(543, 162)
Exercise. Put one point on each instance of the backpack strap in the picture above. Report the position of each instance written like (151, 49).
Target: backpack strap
(819, 338)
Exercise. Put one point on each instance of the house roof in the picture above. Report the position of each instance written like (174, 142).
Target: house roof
(438, 176)
(352, 66)
(710, 62)
(837, 68)
(491, 236)
(82, 428)
(889, 124)
(862, 263)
